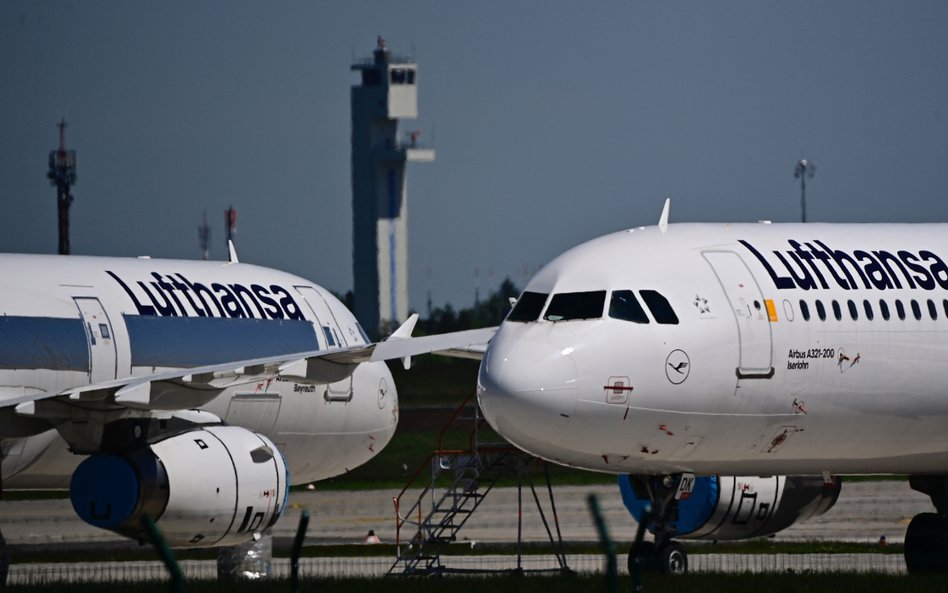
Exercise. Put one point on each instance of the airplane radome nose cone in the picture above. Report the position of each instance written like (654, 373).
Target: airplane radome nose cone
(527, 389)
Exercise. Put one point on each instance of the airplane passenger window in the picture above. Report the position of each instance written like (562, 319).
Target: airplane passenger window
(805, 310)
(567, 306)
(868, 307)
(932, 309)
(884, 308)
(820, 311)
(837, 312)
(945, 304)
(900, 309)
(787, 310)
(853, 311)
(528, 307)
(916, 310)
(659, 306)
(623, 305)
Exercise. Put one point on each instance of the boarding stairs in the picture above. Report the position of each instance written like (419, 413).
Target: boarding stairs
(458, 482)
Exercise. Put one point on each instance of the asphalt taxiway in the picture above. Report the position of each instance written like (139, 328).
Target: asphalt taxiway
(865, 512)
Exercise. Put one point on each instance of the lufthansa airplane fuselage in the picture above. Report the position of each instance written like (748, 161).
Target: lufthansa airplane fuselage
(742, 349)
(68, 322)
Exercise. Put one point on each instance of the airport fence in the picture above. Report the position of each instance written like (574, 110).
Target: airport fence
(377, 566)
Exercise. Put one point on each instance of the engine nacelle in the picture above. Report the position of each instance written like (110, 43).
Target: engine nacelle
(740, 507)
(212, 486)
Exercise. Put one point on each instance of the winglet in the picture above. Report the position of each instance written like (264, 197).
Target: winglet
(232, 252)
(404, 331)
(663, 220)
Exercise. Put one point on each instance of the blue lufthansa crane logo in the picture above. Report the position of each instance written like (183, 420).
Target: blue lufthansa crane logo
(677, 367)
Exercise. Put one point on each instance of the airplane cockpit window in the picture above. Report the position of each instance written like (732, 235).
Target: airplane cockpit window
(805, 310)
(528, 307)
(623, 305)
(659, 306)
(576, 305)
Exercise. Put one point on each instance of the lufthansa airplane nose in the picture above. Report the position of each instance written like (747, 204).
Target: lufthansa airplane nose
(527, 389)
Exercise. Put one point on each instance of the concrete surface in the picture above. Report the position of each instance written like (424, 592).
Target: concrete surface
(865, 511)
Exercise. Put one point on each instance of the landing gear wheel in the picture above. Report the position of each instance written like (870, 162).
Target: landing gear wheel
(672, 559)
(926, 544)
(643, 554)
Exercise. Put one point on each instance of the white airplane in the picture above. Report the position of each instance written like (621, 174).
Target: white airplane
(675, 351)
(192, 392)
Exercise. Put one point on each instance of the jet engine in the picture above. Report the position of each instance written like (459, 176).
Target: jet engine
(212, 486)
(738, 507)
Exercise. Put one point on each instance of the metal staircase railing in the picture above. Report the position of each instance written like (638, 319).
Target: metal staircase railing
(459, 481)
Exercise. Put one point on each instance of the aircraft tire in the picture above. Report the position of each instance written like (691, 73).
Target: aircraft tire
(926, 544)
(643, 554)
(672, 559)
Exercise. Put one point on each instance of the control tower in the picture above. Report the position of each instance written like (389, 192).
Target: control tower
(386, 92)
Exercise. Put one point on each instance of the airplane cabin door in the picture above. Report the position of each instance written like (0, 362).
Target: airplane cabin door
(750, 312)
(328, 328)
(102, 353)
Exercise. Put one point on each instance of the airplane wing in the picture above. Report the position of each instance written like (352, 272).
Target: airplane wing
(463, 344)
(204, 383)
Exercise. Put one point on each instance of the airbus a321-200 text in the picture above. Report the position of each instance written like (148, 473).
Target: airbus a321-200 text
(731, 373)
(190, 392)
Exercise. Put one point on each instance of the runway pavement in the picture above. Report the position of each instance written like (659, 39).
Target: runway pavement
(865, 511)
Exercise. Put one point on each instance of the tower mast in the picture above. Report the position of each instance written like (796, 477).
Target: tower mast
(62, 175)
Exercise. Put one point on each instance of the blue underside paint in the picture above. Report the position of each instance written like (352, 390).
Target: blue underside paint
(43, 343)
(197, 341)
(693, 512)
(104, 491)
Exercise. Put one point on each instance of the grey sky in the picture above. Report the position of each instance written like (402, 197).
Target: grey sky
(554, 122)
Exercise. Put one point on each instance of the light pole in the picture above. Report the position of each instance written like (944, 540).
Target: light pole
(803, 170)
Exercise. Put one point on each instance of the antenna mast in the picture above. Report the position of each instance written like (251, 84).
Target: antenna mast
(803, 170)
(62, 175)
(204, 236)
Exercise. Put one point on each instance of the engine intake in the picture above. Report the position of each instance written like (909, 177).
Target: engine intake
(213, 486)
(740, 507)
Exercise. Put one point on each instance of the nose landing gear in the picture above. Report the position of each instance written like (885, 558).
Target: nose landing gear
(664, 555)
